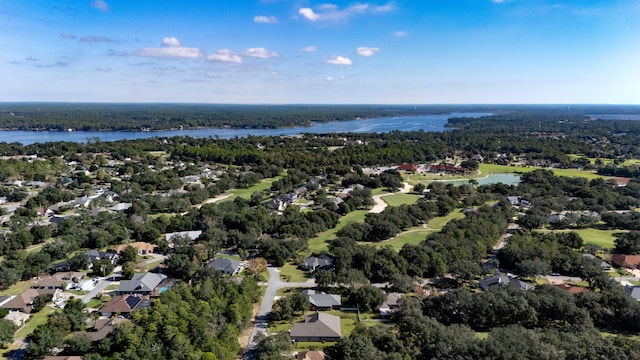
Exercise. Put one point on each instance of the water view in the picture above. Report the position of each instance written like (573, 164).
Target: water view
(432, 123)
(507, 179)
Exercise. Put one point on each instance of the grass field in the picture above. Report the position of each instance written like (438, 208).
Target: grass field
(290, 273)
(17, 288)
(319, 243)
(416, 235)
(35, 320)
(264, 185)
(602, 238)
(400, 199)
(502, 169)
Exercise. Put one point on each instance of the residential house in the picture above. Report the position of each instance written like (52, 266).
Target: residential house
(571, 289)
(143, 284)
(311, 355)
(318, 327)
(124, 305)
(24, 301)
(17, 317)
(227, 266)
(102, 255)
(59, 280)
(622, 260)
(5, 299)
(102, 328)
(447, 169)
(120, 207)
(407, 167)
(57, 219)
(391, 303)
(320, 262)
(191, 235)
(603, 264)
(504, 280)
(555, 218)
(44, 212)
(142, 248)
(633, 291)
(519, 201)
(322, 301)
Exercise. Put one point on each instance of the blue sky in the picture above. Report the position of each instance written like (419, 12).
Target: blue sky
(298, 51)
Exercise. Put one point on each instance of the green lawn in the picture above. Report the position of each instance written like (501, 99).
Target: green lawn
(17, 288)
(416, 235)
(602, 238)
(290, 273)
(400, 199)
(264, 185)
(319, 243)
(35, 320)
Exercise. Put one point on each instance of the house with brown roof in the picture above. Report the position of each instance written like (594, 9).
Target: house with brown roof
(59, 280)
(317, 327)
(143, 248)
(407, 167)
(102, 328)
(124, 305)
(623, 260)
(24, 301)
(571, 289)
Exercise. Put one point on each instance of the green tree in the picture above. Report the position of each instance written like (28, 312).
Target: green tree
(7, 329)
(128, 270)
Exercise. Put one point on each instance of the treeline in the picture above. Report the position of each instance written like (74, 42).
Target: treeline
(134, 117)
(416, 335)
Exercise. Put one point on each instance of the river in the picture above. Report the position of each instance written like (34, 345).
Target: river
(430, 123)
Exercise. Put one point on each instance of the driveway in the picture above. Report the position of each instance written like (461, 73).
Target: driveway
(262, 318)
(100, 286)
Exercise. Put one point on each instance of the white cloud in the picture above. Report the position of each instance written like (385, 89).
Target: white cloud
(309, 14)
(172, 52)
(329, 78)
(367, 51)
(260, 53)
(339, 60)
(100, 5)
(171, 41)
(400, 33)
(225, 55)
(309, 49)
(331, 12)
(261, 19)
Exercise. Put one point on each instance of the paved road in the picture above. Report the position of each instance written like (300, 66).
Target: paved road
(262, 318)
(102, 284)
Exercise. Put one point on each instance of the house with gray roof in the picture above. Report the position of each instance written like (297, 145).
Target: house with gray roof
(314, 263)
(502, 280)
(143, 284)
(227, 266)
(633, 291)
(317, 327)
(322, 301)
(603, 264)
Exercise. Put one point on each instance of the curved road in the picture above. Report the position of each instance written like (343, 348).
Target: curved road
(262, 318)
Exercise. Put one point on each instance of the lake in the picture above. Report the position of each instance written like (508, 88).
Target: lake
(507, 179)
(429, 123)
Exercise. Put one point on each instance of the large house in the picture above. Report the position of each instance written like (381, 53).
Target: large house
(59, 280)
(317, 327)
(124, 305)
(322, 301)
(227, 266)
(143, 284)
(504, 281)
(314, 263)
(622, 260)
(24, 301)
(142, 248)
